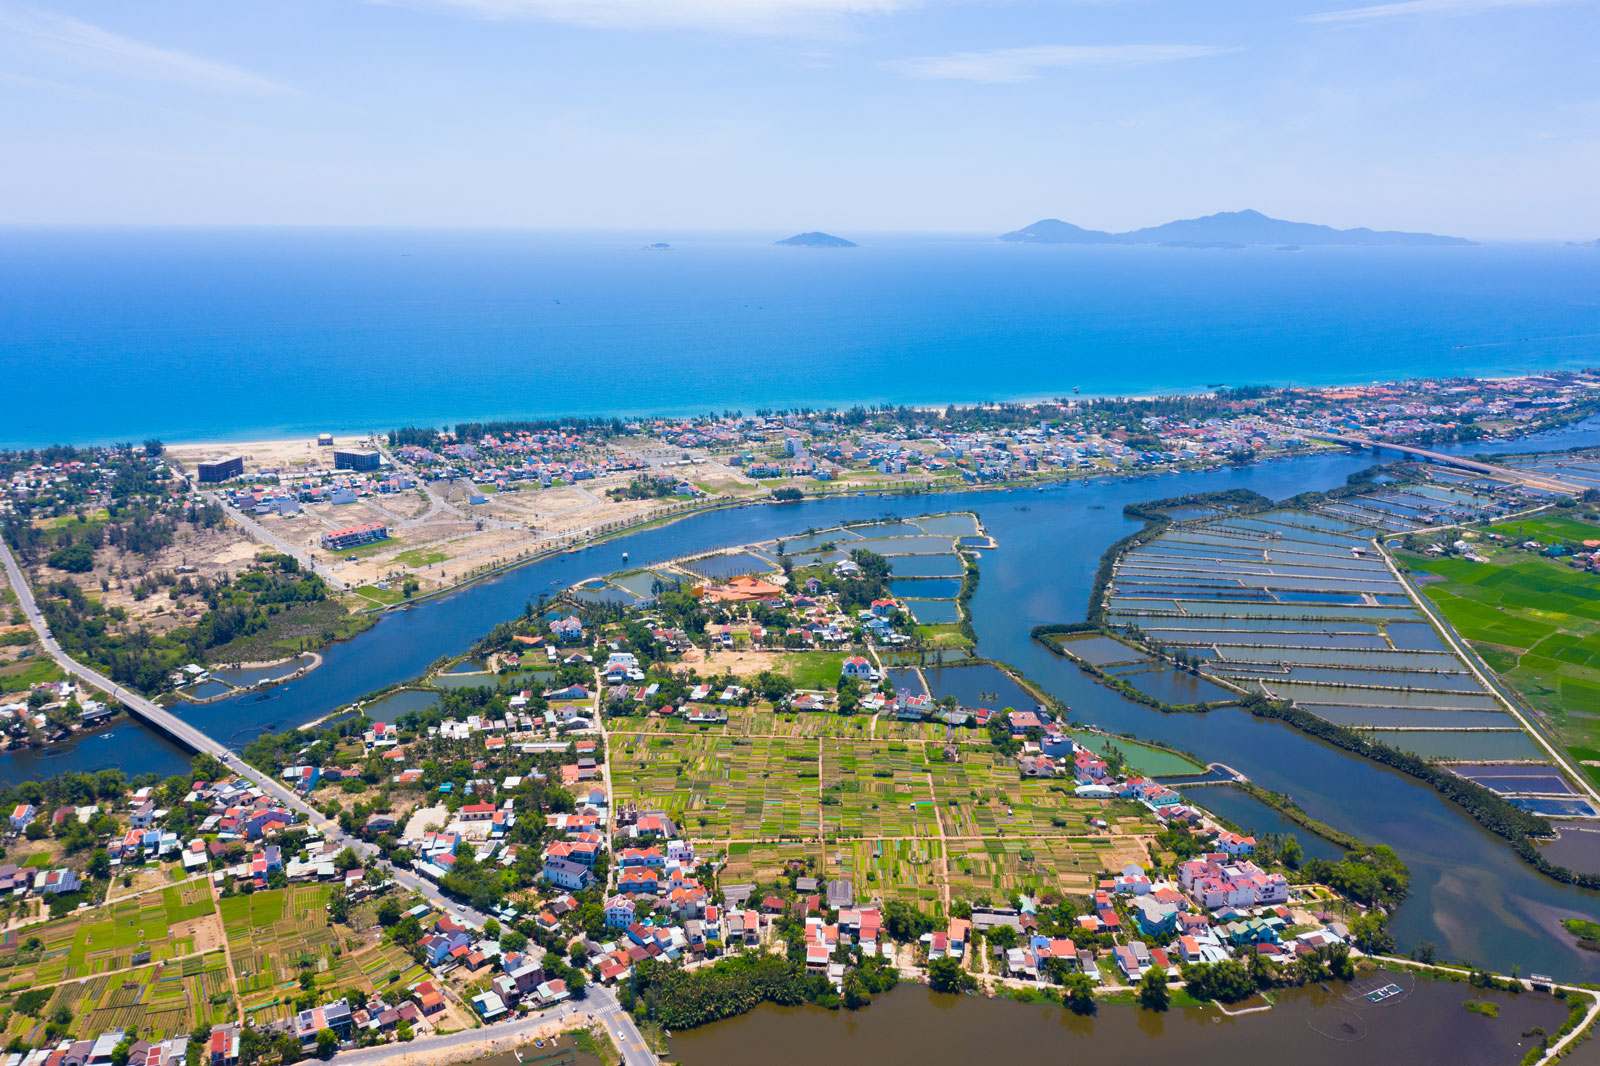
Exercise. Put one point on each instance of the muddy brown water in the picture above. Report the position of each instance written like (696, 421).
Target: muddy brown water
(912, 1025)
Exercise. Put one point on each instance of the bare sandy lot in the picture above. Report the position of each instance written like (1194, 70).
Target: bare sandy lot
(289, 457)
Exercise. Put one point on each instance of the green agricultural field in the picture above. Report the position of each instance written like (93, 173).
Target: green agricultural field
(23, 675)
(886, 811)
(419, 557)
(162, 1000)
(273, 935)
(813, 669)
(104, 938)
(1535, 622)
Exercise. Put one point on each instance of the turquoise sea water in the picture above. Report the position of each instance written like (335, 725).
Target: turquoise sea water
(192, 334)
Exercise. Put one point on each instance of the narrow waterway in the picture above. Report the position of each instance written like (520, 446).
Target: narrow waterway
(1470, 895)
(915, 1026)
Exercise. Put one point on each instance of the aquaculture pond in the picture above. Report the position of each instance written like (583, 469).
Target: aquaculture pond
(245, 676)
(1253, 816)
(978, 685)
(1470, 894)
(391, 708)
(934, 612)
(925, 588)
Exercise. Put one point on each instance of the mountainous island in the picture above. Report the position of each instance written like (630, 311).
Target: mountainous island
(815, 239)
(1226, 229)
(1584, 244)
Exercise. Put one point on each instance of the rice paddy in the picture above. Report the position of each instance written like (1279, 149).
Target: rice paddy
(1533, 618)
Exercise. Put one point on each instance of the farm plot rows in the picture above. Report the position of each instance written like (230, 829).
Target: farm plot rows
(161, 1000)
(886, 813)
(275, 934)
(106, 938)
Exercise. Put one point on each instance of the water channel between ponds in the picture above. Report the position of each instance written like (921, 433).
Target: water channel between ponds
(1470, 894)
(1428, 1025)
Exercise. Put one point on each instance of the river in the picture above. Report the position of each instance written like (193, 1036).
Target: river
(913, 1025)
(1470, 895)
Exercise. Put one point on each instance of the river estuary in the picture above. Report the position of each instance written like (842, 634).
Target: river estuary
(1470, 895)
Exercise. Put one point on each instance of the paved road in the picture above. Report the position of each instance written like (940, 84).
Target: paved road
(1531, 478)
(601, 1002)
(196, 740)
(600, 1005)
(261, 533)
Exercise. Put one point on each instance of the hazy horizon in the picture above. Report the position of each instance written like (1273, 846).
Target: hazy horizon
(1475, 118)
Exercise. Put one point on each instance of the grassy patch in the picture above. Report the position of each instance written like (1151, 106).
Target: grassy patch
(1535, 621)
(417, 558)
(301, 627)
(19, 676)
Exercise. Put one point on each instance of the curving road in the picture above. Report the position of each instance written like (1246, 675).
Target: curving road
(602, 1003)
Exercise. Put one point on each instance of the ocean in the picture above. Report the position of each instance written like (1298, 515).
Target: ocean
(124, 334)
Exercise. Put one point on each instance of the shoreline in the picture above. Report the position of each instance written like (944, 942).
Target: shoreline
(285, 434)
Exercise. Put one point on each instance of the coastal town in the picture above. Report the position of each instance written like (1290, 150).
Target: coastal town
(784, 764)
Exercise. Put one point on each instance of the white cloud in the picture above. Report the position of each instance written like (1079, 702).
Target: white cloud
(1421, 9)
(88, 44)
(1002, 65)
(735, 16)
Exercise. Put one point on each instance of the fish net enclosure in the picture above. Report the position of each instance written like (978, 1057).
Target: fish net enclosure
(1345, 1019)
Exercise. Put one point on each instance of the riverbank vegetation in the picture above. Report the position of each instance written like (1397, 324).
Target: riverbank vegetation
(685, 999)
(1493, 812)
(271, 610)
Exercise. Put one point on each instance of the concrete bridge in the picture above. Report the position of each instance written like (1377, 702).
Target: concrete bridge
(1532, 479)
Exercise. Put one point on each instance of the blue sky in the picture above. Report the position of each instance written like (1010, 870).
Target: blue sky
(1473, 117)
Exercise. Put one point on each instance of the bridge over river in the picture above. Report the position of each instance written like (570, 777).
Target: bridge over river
(1530, 478)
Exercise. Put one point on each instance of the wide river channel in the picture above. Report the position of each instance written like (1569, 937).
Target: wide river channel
(1470, 894)
(1315, 1026)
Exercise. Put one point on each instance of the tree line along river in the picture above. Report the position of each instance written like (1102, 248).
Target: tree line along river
(1470, 895)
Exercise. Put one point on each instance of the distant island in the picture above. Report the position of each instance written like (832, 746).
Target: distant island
(659, 246)
(1584, 244)
(1226, 229)
(816, 239)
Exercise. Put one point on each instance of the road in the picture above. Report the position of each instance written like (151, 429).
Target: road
(600, 1005)
(261, 533)
(601, 1002)
(196, 740)
(1533, 479)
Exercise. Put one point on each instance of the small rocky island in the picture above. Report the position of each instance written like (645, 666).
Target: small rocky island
(659, 246)
(816, 239)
